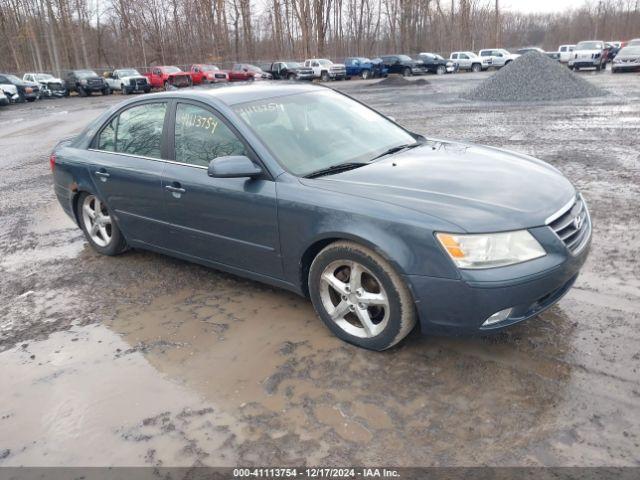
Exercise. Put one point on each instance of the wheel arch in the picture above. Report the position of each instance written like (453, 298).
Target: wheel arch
(318, 244)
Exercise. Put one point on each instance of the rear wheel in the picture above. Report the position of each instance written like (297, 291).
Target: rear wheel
(360, 297)
(98, 225)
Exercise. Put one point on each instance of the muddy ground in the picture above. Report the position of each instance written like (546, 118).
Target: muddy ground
(148, 360)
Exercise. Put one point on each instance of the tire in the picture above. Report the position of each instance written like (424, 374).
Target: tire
(388, 321)
(291, 76)
(106, 91)
(166, 86)
(147, 90)
(31, 100)
(116, 243)
(123, 89)
(441, 70)
(476, 67)
(324, 76)
(365, 74)
(406, 72)
(82, 92)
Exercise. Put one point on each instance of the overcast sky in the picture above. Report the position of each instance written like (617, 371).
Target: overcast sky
(540, 5)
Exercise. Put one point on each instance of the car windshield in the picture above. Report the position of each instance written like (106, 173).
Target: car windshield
(129, 72)
(293, 64)
(86, 73)
(171, 70)
(590, 46)
(43, 76)
(404, 58)
(13, 78)
(324, 62)
(313, 131)
(209, 68)
(504, 52)
(632, 50)
(471, 54)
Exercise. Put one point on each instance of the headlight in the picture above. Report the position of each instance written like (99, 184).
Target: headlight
(490, 250)
(617, 60)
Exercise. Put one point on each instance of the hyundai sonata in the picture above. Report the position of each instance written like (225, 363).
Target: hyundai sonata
(307, 189)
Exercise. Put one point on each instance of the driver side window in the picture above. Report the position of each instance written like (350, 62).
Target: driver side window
(200, 136)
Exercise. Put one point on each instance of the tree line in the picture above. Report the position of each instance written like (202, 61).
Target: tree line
(52, 35)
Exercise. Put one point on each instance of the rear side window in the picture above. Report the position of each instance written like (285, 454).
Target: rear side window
(200, 136)
(136, 131)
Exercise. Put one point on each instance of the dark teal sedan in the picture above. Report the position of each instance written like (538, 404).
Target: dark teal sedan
(307, 189)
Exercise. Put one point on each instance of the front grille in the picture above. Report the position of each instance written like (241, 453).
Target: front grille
(55, 87)
(572, 225)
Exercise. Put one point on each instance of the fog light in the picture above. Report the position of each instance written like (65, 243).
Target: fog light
(497, 317)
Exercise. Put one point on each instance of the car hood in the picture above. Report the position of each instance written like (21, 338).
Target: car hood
(9, 88)
(589, 52)
(476, 188)
(134, 77)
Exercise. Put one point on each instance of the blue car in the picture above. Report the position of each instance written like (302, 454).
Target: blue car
(365, 68)
(304, 188)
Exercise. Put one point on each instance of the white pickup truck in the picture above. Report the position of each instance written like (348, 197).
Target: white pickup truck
(498, 57)
(565, 53)
(127, 80)
(325, 69)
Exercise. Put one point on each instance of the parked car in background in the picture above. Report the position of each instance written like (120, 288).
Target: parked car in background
(612, 51)
(127, 80)
(365, 68)
(50, 86)
(85, 82)
(467, 61)
(245, 72)
(287, 70)
(206, 73)
(499, 56)
(168, 77)
(524, 50)
(564, 53)
(325, 69)
(435, 63)
(10, 92)
(633, 43)
(589, 54)
(29, 91)
(403, 65)
(627, 60)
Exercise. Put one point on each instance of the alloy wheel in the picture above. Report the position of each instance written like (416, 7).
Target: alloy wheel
(97, 221)
(354, 298)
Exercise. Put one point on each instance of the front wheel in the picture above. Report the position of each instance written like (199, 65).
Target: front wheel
(324, 76)
(365, 74)
(124, 90)
(360, 297)
(406, 72)
(476, 67)
(441, 70)
(99, 226)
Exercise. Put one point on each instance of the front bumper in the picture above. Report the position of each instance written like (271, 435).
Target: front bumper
(461, 306)
(584, 62)
(625, 66)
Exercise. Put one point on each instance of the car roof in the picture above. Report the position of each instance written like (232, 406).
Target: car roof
(241, 93)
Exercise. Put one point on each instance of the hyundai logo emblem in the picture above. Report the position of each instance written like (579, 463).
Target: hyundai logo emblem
(577, 222)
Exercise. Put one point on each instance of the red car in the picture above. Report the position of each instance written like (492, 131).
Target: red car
(168, 77)
(204, 73)
(242, 72)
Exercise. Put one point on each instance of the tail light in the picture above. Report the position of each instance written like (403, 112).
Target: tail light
(52, 161)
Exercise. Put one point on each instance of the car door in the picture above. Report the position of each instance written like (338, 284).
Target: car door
(464, 61)
(230, 221)
(126, 166)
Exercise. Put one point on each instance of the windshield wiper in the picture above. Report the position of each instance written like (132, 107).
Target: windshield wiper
(340, 167)
(396, 149)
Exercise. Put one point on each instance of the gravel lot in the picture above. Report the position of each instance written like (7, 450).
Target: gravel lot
(147, 360)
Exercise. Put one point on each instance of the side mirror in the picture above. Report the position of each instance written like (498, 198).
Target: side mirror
(233, 166)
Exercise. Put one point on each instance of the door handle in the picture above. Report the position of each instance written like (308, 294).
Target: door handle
(102, 174)
(175, 189)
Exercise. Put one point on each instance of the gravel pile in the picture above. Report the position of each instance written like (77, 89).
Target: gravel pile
(399, 81)
(533, 77)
